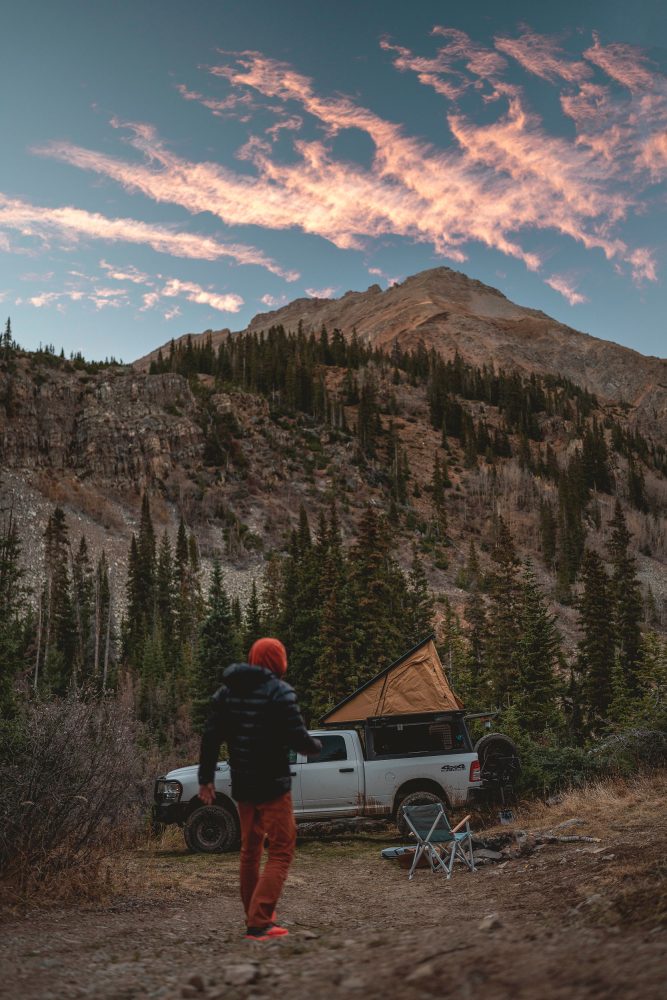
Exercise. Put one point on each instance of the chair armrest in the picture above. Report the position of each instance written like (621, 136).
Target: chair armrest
(464, 822)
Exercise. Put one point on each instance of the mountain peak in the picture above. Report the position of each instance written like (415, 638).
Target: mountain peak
(452, 313)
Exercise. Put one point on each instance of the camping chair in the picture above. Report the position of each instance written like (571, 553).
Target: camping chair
(431, 827)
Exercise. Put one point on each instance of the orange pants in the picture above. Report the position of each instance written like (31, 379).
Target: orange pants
(260, 820)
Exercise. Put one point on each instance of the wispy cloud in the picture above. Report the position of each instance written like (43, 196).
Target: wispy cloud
(223, 302)
(100, 298)
(128, 273)
(69, 225)
(565, 286)
(236, 105)
(171, 288)
(543, 57)
(492, 183)
(321, 293)
(88, 289)
(273, 301)
(379, 273)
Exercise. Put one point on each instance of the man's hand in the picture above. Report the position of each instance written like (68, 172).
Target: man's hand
(207, 793)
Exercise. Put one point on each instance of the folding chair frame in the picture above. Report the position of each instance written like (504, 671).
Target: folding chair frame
(435, 858)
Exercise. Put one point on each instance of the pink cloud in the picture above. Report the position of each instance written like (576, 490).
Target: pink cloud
(150, 299)
(129, 273)
(623, 63)
(542, 56)
(653, 155)
(223, 302)
(101, 298)
(492, 183)
(644, 267)
(479, 60)
(72, 224)
(560, 283)
(273, 301)
(172, 313)
(220, 108)
(291, 124)
(320, 293)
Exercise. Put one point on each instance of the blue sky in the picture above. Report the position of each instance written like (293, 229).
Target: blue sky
(175, 166)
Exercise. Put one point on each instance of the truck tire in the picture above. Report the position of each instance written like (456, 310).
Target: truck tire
(416, 797)
(498, 759)
(212, 830)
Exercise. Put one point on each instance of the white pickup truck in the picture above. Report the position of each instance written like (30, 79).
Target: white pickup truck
(371, 771)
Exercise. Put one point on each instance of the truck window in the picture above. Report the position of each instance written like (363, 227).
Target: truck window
(333, 748)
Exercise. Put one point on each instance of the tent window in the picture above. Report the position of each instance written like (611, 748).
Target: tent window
(422, 738)
(333, 748)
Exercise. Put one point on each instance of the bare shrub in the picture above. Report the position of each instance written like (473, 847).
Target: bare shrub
(73, 792)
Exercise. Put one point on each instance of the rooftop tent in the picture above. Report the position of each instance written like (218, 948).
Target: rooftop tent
(414, 683)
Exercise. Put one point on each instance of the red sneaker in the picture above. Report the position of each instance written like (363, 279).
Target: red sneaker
(256, 934)
(265, 933)
(275, 931)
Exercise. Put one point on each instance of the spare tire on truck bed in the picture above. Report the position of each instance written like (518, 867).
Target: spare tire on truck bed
(499, 762)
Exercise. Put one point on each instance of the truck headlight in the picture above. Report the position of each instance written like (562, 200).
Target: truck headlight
(168, 791)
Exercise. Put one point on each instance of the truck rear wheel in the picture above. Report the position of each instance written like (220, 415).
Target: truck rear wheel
(416, 798)
(212, 830)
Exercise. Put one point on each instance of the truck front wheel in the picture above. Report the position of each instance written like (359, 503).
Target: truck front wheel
(416, 797)
(212, 830)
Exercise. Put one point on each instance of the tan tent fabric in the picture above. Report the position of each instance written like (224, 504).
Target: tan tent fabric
(414, 684)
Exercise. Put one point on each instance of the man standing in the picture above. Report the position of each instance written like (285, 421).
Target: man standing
(256, 713)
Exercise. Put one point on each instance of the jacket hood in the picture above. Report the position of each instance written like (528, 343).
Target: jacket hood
(241, 678)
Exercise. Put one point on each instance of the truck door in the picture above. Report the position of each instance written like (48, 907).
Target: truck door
(331, 782)
(295, 772)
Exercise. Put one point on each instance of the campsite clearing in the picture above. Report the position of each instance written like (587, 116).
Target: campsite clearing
(569, 920)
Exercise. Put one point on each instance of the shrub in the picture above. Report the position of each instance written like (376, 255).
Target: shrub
(72, 792)
(549, 765)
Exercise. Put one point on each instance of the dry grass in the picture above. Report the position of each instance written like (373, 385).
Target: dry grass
(72, 798)
(627, 878)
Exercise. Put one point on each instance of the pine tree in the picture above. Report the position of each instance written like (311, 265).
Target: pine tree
(379, 592)
(438, 491)
(82, 594)
(166, 593)
(103, 627)
(456, 656)
(14, 615)
(420, 605)
(253, 619)
(636, 484)
(59, 623)
(596, 647)
(503, 618)
(335, 674)
(299, 623)
(548, 533)
(537, 654)
(218, 646)
(651, 707)
(627, 600)
(271, 592)
(141, 591)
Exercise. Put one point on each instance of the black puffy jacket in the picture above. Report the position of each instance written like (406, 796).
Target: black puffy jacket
(257, 715)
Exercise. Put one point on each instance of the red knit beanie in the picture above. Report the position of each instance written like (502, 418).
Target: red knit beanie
(269, 653)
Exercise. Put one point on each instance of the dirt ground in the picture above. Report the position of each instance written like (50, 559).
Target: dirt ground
(570, 920)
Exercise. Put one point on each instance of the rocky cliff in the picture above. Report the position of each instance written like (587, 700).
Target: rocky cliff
(238, 469)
